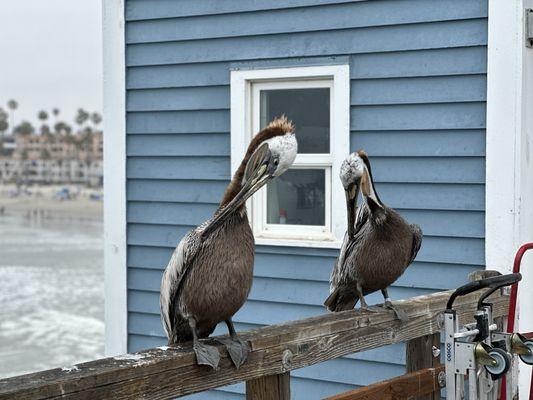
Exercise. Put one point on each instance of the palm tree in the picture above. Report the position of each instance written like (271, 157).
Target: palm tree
(45, 130)
(4, 125)
(43, 116)
(96, 119)
(12, 105)
(24, 128)
(62, 128)
(81, 117)
(55, 113)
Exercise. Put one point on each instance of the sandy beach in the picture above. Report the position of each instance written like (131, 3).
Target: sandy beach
(44, 201)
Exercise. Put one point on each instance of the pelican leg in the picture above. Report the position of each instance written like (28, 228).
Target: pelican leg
(237, 349)
(400, 314)
(205, 355)
(363, 306)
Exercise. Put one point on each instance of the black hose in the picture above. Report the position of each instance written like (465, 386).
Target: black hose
(494, 282)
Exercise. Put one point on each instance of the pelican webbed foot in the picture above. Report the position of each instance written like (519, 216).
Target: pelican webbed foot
(206, 355)
(400, 314)
(237, 349)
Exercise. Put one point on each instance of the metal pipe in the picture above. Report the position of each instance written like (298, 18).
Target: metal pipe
(473, 332)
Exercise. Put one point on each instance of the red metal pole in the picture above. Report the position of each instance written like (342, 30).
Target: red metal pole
(514, 288)
(512, 312)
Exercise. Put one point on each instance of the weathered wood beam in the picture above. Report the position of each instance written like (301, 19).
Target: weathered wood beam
(169, 373)
(270, 387)
(419, 383)
(419, 355)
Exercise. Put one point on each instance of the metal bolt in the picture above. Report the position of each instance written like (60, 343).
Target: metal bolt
(286, 359)
(440, 321)
(442, 379)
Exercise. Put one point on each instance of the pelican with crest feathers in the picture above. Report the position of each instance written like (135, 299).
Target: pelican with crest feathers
(378, 246)
(209, 275)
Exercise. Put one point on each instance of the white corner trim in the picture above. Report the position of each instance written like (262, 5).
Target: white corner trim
(509, 152)
(242, 127)
(114, 178)
(504, 75)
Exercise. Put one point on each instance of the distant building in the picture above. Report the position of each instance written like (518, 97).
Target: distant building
(58, 147)
(7, 147)
(52, 159)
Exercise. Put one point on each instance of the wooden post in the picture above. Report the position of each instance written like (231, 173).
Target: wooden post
(270, 387)
(419, 355)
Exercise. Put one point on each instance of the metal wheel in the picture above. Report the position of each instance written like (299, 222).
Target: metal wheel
(503, 362)
(528, 358)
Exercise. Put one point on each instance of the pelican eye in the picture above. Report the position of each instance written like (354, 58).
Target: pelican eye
(276, 161)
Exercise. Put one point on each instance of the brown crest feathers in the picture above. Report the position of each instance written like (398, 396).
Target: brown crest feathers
(282, 124)
(277, 127)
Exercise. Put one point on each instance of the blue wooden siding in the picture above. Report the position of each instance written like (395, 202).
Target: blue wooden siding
(418, 91)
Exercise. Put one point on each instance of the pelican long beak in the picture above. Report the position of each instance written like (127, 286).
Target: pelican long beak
(367, 188)
(352, 192)
(255, 180)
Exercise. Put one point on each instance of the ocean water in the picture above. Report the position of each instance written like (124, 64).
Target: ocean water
(51, 293)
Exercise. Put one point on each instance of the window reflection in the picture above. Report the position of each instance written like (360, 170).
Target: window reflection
(307, 108)
(297, 197)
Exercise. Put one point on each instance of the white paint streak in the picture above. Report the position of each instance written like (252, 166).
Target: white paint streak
(129, 357)
(70, 369)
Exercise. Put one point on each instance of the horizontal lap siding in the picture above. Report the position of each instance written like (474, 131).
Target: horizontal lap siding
(418, 91)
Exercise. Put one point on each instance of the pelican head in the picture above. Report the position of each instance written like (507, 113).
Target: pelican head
(270, 153)
(352, 170)
(273, 151)
(356, 175)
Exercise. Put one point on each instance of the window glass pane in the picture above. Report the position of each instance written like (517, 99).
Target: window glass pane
(307, 108)
(297, 197)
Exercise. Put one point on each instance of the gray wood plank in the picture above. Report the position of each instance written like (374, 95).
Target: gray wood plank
(413, 63)
(350, 41)
(317, 18)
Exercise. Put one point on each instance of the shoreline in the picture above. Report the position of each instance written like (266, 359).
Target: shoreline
(32, 207)
(51, 201)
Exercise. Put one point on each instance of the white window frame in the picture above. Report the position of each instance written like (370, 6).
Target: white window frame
(245, 89)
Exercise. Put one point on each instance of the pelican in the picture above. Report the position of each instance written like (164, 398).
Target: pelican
(209, 275)
(378, 246)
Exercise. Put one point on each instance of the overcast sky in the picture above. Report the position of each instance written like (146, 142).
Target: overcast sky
(50, 56)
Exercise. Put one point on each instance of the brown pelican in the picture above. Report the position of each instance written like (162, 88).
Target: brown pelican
(378, 246)
(209, 275)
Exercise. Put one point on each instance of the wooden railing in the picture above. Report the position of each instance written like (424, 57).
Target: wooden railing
(167, 373)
